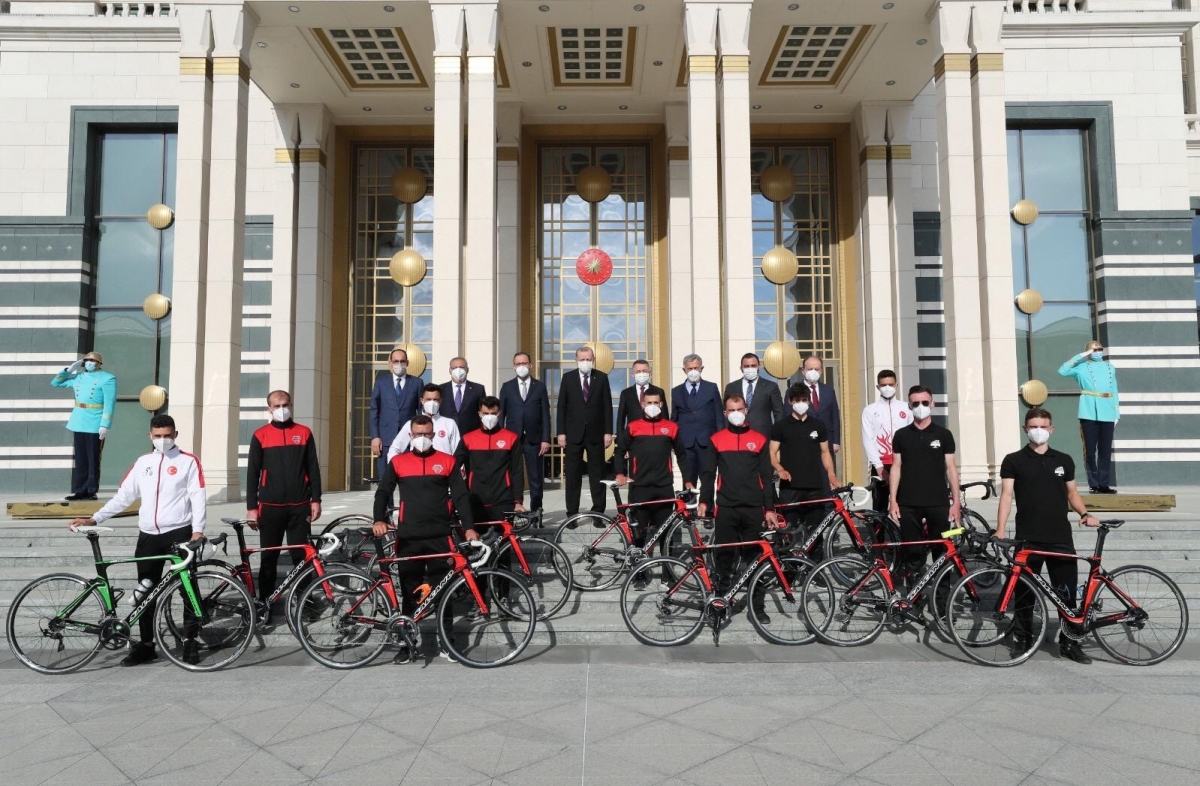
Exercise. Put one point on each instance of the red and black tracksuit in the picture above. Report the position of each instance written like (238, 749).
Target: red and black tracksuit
(643, 453)
(737, 475)
(495, 468)
(282, 477)
(432, 489)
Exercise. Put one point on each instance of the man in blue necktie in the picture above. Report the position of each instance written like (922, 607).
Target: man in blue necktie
(696, 406)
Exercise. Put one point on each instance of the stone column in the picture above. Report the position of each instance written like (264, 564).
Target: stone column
(960, 250)
(509, 298)
(875, 274)
(233, 29)
(283, 237)
(738, 234)
(313, 282)
(185, 387)
(900, 221)
(1001, 411)
(448, 32)
(679, 247)
(700, 20)
(479, 264)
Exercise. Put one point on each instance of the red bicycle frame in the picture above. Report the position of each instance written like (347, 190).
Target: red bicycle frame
(839, 507)
(507, 536)
(1096, 578)
(243, 571)
(622, 519)
(698, 565)
(459, 566)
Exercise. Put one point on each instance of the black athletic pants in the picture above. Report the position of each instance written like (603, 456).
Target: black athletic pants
(275, 522)
(1064, 576)
(649, 518)
(423, 571)
(148, 546)
(920, 523)
(573, 465)
(85, 476)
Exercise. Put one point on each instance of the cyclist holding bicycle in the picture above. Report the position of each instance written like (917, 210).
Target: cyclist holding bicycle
(170, 484)
(492, 460)
(1042, 480)
(427, 478)
(737, 476)
(645, 447)
(801, 457)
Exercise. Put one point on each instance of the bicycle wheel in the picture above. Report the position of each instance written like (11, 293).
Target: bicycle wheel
(775, 608)
(353, 550)
(664, 614)
(872, 528)
(984, 634)
(300, 585)
(596, 548)
(678, 542)
(1141, 641)
(493, 636)
(938, 590)
(549, 576)
(45, 639)
(215, 638)
(342, 620)
(845, 602)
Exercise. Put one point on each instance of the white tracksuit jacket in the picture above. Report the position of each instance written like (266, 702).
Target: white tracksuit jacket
(171, 487)
(879, 422)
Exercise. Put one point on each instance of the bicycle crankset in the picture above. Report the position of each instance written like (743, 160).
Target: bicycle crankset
(1074, 632)
(717, 612)
(401, 629)
(114, 634)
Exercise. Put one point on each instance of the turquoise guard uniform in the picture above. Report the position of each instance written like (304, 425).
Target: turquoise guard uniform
(1097, 380)
(97, 391)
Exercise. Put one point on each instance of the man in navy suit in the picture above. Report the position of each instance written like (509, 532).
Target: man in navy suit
(764, 402)
(823, 403)
(696, 406)
(629, 407)
(460, 397)
(584, 426)
(394, 402)
(525, 403)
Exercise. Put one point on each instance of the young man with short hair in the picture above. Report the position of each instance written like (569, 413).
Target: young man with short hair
(446, 435)
(1042, 481)
(492, 460)
(880, 419)
(801, 457)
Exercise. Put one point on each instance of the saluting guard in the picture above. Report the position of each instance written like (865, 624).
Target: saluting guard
(91, 418)
(1099, 412)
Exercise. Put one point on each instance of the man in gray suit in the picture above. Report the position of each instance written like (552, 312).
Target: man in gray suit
(763, 399)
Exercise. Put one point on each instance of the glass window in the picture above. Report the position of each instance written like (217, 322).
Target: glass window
(1059, 262)
(1053, 170)
(1196, 255)
(131, 173)
(127, 262)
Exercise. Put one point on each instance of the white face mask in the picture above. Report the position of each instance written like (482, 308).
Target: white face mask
(641, 378)
(281, 414)
(399, 369)
(522, 371)
(736, 419)
(431, 407)
(458, 374)
(750, 374)
(887, 391)
(89, 365)
(422, 443)
(163, 444)
(800, 408)
(812, 376)
(1038, 436)
(489, 421)
(921, 412)
(693, 376)
(584, 366)
(652, 411)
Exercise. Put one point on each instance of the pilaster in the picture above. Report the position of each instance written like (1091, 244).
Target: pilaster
(875, 272)
(448, 34)
(679, 244)
(283, 266)
(900, 225)
(508, 237)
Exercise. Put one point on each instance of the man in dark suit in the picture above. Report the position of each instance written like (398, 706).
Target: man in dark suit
(584, 426)
(525, 403)
(764, 402)
(696, 406)
(823, 403)
(394, 402)
(629, 406)
(460, 397)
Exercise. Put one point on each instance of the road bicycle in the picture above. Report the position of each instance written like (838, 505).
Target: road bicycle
(847, 601)
(365, 613)
(313, 563)
(599, 560)
(203, 621)
(842, 532)
(666, 601)
(543, 565)
(1136, 613)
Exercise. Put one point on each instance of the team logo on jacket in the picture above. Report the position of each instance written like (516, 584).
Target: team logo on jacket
(751, 445)
(500, 443)
(172, 470)
(903, 414)
(812, 434)
(296, 440)
(937, 443)
(664, 430)
(438, 467)
(1059, 471)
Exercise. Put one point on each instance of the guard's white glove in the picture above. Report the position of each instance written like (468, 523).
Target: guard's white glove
(103, 432)
(75, 367)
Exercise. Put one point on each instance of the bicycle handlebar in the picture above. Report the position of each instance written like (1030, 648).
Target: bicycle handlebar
(332, 542)
(485, 552)
(87, 530)
(191, 547)
(989, 490)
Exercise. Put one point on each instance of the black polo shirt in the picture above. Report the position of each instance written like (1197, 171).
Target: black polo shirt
(923, 481)
(800, 451)
(1040, 489)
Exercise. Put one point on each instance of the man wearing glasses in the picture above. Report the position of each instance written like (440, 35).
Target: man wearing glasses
(922, 480)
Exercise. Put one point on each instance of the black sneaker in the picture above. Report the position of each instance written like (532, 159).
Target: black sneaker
(403, 655)
(639, 584)
(139, 654)
(762, 616)
(191, 652)
(1072, 651)
(1019, 645)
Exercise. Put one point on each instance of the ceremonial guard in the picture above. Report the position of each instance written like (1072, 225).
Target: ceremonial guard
(1099, 412)
(91, 418)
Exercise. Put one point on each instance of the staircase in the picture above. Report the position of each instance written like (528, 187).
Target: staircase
(32, 549)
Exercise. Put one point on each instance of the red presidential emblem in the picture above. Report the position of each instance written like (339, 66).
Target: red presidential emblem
(172, 470)
(594, 267)
(442, 433)
(296, 440)
(438, 467)
(500, 443)
(903, 414)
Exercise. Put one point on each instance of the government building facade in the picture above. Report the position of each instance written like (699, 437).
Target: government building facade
(226, 198)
